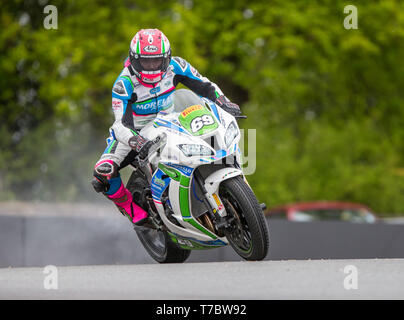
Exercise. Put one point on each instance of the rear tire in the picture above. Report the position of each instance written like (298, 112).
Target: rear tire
(158, 244)
(166, 251)
(249, 235)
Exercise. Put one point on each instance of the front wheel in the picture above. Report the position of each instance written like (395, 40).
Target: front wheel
(248, 234)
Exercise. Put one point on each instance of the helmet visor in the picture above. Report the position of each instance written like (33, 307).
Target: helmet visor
(151, 64)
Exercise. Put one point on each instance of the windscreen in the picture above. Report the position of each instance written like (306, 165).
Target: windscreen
(184, 98)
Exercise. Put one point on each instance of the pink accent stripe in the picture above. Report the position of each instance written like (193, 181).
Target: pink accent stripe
(104, 161)
(171, 89)
(141, 115)
(127, 63)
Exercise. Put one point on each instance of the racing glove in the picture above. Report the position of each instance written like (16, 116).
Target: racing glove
(228, 106)
(141, 145)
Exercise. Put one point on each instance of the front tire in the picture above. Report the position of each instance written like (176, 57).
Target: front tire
(249, 235)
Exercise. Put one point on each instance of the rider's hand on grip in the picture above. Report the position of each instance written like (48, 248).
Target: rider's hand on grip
(145, 147)
(144, 151)
(228, 106)
(140, 145)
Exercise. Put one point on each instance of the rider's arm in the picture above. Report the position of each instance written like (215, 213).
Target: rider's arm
(122, 99)
(190, 77)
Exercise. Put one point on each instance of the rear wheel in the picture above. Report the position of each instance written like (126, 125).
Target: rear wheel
(159, 246)
(248, 234)
(157, 243)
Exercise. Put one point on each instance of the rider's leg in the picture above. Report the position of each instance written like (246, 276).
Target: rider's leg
(108, 181)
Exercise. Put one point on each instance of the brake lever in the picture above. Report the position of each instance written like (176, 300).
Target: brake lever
(241, 117)
(141, 162)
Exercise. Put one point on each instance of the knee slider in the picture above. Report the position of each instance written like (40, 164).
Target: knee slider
(100, 183)
(106, 168)
(103, 171)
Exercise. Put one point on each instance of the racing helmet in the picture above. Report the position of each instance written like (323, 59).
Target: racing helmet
(149, 55)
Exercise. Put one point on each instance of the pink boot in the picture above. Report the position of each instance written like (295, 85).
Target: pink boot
(124, 201)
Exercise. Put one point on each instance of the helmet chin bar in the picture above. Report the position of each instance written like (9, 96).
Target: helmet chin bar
(150, 79)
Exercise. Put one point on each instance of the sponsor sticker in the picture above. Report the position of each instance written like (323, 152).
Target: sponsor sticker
(183, 169)
(150, 48)
(159, 182)
(155, 90)
(152, 106)
(116, 104)
(185, 242)
(219, 204)
(190, 109)
(149, 32)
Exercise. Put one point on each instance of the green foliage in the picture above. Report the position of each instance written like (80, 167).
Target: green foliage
(327, 103)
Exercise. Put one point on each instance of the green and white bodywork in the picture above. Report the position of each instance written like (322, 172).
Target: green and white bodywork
(197, 133)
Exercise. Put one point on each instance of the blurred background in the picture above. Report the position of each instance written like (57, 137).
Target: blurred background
(327, 102)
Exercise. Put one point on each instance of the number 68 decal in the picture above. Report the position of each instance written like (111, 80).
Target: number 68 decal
(199, 122)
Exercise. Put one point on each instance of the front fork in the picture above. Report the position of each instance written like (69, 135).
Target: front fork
(213, 203)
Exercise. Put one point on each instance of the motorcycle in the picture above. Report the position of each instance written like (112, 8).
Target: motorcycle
(193, 187)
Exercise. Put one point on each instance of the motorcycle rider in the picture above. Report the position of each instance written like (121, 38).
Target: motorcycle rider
(144, 88)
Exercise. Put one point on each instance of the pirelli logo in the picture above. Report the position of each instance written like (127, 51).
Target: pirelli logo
(190, 109)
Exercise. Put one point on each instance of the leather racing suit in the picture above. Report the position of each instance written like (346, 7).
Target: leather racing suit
(135, 105)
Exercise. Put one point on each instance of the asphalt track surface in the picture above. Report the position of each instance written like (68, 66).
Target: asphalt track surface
(289, 279)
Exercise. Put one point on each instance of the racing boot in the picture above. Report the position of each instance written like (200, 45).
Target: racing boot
(124, 201)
